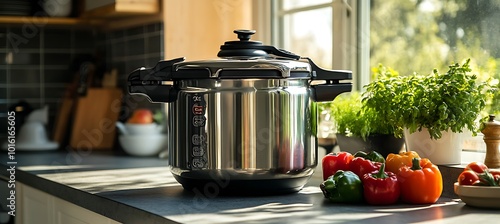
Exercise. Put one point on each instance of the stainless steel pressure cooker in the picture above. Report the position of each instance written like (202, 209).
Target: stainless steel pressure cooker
(245, 122)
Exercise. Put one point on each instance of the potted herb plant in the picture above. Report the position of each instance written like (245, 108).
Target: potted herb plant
(358, 128)
(433, 109)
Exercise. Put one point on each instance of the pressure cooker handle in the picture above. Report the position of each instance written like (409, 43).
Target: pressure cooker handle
(149, 82)
(332, 86)
(322, 74)
(328, 92)
(155, 93)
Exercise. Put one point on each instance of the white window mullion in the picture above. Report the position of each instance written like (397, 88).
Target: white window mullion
(344, 51)
(338, 35)
(363, 36)
(276, 23)
(262, 18)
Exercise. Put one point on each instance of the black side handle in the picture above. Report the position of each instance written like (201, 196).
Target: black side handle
(332, 86)
(155, 93)
(163, 71)
(323, 74)
(148, 82)
(328, 92)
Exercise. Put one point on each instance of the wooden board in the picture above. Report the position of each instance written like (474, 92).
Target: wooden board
(95, 118)
(62, 120)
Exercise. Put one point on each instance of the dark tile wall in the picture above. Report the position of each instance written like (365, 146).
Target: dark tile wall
(134, 47)
(130, 49)
(35, 64)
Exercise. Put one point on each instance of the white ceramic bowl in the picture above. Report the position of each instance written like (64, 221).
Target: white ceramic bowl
(139, 129)
(479, 196)
(143, 145)
(143, 129)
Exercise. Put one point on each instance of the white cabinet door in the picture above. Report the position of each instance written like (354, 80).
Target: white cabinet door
(37, 207)
(67, 213)
(33, 206)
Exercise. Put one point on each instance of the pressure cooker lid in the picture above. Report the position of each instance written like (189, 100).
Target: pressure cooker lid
(241, 59)
(244, 58)
(238, 59)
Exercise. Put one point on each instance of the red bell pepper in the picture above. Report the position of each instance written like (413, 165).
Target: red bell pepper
(361, 166)
(333, 162)
(380, 187)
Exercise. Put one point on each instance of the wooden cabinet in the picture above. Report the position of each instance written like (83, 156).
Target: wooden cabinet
(196, 29)
(50, 21)
(112, 14)
(37, 207)
(120, 8)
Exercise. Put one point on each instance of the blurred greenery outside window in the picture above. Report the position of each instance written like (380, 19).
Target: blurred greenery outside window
(406, 35)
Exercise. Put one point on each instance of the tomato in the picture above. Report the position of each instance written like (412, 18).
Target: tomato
(477, 167)
(496, 174)
(468, 177)
(141, 116)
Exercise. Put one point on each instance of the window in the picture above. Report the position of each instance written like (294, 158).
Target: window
(409, 36)
(323, 30)
(406, 35)
(417, 36)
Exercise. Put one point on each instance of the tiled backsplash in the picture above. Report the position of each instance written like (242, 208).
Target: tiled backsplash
(130, 49)
(36, 62)
(35, 65)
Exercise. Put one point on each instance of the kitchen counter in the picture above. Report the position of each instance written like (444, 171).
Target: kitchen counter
(142, 190)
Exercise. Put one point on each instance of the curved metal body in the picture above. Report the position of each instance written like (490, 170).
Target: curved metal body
(246, 129)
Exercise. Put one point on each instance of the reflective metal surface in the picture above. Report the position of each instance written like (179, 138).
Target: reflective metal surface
(242, 129)
(216, 65)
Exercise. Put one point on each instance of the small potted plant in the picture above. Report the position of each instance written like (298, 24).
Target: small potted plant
(433, 109)
(358, 128)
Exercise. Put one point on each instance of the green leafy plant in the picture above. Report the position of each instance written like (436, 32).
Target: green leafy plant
(353, 119)
(439, 101)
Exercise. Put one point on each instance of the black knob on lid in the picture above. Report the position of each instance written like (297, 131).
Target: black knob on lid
(242, 48)
(244, 35)
(245, 48)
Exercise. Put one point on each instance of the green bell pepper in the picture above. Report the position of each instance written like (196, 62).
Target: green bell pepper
(343, 186)
(372, 155)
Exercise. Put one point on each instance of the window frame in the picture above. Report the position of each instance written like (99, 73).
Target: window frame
(350, 19)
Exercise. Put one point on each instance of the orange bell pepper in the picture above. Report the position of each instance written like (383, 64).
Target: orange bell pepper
(420, 183)
(395, 161)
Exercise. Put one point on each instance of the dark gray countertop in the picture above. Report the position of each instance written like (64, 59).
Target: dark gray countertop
(142, 190)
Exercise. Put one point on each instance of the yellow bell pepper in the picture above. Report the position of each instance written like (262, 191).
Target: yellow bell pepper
(395, 161)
